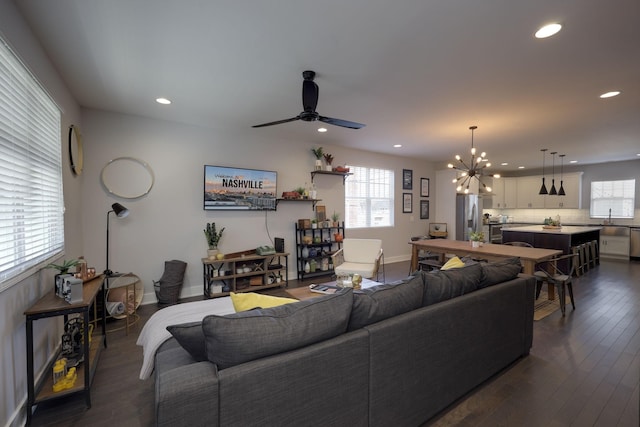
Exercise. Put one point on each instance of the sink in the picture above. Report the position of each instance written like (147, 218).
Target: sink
(614, 230)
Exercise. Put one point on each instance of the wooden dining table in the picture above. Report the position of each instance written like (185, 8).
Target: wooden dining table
(529, 257)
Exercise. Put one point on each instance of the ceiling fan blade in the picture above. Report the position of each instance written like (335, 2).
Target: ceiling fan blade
(292, 119)
(339, 122)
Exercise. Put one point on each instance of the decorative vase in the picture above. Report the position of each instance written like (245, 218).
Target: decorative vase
(329, 168)
(305, 252)
(318, 164)
(475, 244)
(307, 267)
(212, 253)
(314, 225)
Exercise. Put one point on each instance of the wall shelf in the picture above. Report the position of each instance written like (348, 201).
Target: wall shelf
(344, 175)
(314, 201)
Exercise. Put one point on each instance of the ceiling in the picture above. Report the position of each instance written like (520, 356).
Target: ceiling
(417, 73)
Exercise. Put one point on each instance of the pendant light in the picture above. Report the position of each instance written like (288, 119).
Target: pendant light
(553, 191)
(543, 189)
(561, 190)
(473, 170)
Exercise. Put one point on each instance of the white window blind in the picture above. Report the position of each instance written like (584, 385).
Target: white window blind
(369, 198)
(31, 199)
(613, 198)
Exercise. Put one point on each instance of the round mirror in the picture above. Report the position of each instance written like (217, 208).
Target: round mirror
(127, 177)
(76, 159)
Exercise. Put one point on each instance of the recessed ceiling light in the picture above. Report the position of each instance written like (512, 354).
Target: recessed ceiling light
(520, 167)
(400, 145)
(548, 31)
(573, 161)
(163, 101)
(322, 129)
(504, 164)
(610, 94)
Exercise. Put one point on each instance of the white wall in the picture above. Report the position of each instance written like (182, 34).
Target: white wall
(168, 222)
(15, 300)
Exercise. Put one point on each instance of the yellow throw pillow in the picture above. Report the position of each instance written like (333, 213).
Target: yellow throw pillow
(454, 262)
(248, 300)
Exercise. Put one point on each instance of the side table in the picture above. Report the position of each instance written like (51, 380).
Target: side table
(51, 305)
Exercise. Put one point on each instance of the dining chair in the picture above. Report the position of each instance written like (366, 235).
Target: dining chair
(551, 273)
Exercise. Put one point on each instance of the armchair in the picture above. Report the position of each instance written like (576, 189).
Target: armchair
(361, 256)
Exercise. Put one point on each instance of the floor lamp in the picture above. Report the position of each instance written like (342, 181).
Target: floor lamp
(120, 212)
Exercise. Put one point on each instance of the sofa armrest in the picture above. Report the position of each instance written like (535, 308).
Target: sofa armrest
(188, 395)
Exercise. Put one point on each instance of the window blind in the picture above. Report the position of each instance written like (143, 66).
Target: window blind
(31, 198)
(369, 198)
(613, 198)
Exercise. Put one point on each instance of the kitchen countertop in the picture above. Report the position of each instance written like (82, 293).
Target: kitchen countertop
(565, 229)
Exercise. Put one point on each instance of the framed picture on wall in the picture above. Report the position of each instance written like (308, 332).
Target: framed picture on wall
(321, 213)
(424, 209)
(407, 203)
(407, 179)
(424, 187)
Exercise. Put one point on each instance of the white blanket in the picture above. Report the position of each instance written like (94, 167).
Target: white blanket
(154, 332)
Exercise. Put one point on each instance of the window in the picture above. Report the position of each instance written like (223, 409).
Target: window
(369, 198)
(615, 199)
(31, 200)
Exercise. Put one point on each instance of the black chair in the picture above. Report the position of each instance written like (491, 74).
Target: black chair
(551, 273)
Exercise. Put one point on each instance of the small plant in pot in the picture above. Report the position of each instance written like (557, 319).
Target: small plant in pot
(476, 238)
(213, 238)
(329, 159)
(318, 152)
(335, 218)
(63, 270)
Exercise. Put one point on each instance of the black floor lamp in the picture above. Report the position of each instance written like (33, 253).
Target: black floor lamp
(120, 212)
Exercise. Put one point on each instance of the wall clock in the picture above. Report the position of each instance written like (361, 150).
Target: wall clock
(127, 177)
(76, 156)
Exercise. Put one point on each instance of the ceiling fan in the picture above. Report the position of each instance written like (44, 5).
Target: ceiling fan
(309, 103)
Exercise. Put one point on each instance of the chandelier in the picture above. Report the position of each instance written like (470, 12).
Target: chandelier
(473, 170)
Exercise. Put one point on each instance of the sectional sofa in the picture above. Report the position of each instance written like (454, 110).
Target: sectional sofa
(396, 354)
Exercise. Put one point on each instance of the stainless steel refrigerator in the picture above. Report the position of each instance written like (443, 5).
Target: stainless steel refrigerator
(468, 215)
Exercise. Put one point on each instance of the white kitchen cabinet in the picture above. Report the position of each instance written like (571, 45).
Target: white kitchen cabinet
(572, 183)
(527, 196)
(614, 246)
(504, 194)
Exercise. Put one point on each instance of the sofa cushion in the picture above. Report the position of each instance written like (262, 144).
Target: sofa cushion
(383, 301)
(446, 284)
(498, 272)
(191, 338)
(241, 337)
(249, 300)
(454, 262)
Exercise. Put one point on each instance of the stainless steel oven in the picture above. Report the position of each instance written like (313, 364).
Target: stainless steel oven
(495, 233)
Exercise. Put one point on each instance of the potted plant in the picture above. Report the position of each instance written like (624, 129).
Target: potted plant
(63, 270)
(300, 191)
(314, 223)
(318, 152)
(476, 238)
(213, 238)
(329, 159)
(335, 218)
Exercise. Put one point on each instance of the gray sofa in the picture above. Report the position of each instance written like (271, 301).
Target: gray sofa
(395, 354)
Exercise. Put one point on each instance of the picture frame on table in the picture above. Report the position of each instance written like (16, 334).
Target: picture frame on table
(407, 202)
(424, 187)
(424, 209)
(407, 179)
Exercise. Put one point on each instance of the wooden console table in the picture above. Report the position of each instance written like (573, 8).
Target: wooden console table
(51, 305)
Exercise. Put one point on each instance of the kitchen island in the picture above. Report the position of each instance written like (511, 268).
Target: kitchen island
(562, 238)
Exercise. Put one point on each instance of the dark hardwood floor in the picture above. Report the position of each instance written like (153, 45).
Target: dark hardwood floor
(583, 370)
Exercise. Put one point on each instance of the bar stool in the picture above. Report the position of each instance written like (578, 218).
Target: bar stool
(594, 251)
(578, 270)
(585, 257)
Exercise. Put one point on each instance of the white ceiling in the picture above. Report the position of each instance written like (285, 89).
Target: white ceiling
(416, 72)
